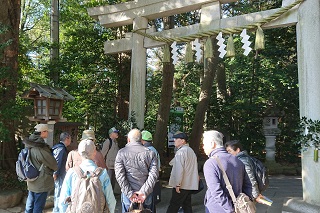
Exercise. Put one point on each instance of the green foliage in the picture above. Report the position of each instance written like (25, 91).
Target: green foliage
(308, 133)
(93, 78)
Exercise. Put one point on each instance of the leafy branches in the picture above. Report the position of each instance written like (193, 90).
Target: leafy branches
(309, 133)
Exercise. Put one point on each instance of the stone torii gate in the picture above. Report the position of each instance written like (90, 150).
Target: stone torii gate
(306, 17)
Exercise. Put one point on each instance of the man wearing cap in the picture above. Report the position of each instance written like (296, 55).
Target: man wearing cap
(41, 157)
(86, 150)
(60, 153)
(109, 152)
(146, 141)
(136, 170)
(74, 159)
(184, 175)
(42, 130)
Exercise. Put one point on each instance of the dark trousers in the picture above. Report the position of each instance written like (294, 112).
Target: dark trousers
(182, 199)
(112, 177)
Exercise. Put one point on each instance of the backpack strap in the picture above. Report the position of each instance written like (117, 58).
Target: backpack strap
(226, 179)
(97, 172)
(29, 159)
(110, 145)
(79, 172)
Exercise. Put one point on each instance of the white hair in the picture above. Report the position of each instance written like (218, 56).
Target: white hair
(214, 136)
(135, 135)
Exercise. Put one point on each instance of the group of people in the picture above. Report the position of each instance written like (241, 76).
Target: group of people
(136, 169)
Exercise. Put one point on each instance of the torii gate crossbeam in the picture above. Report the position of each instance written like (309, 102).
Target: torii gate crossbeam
(306, 17)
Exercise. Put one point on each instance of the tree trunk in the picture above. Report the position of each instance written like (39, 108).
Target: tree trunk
(124, 85)
(210, 67)
(160, 136)
(54, 37)
(10, 18)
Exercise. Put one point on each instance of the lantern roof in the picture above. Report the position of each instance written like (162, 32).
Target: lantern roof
(38, 90)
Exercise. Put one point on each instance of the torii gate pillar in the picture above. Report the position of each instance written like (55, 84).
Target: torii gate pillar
(308, 43)
(138, 72)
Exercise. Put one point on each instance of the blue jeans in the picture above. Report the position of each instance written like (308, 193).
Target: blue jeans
(57, 188)
(36, 202)
(125, 202)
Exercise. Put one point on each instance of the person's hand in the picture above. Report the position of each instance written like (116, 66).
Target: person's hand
(54, 176)
(141, 196)
(258, 198)
(178, 189)
(134, 198)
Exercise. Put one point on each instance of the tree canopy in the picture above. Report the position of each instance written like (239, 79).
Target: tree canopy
(242, 89)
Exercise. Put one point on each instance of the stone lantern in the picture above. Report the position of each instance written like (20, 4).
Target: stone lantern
(48, 103)
(271, 130)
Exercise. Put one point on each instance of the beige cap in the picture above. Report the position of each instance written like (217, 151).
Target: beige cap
(88, 134)
(86, 148)
(42, 128)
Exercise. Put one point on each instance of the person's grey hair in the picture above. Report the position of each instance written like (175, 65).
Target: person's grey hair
(64, 136)
(134, 135)
(214, 136)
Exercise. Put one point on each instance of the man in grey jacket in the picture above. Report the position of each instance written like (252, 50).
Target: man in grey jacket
(136, 169)
(109, 151)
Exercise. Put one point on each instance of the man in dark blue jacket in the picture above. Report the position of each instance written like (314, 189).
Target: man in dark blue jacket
(60, 153)
(217, 198)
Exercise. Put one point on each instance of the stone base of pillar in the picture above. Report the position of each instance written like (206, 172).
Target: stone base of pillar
(297, 205)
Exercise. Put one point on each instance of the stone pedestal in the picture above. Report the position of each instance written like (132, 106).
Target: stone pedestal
(271, 134)
(270, 147)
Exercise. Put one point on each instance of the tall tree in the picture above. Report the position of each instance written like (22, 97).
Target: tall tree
(210, 67)
(9, 41)
(166, 96)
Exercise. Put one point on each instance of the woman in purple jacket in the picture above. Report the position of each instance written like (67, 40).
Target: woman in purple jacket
(217, 198)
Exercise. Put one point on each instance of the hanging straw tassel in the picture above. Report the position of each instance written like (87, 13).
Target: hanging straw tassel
(230, 47)
(259, 43)
(208, 49)
(189, 53)
(166, 54)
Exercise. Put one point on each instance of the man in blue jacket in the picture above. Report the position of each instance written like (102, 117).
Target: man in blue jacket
(60, 153)
(217, 198)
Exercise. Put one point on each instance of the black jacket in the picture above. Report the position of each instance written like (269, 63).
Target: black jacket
(249, 166)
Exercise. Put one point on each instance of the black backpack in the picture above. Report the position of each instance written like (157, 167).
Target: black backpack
(261, 174)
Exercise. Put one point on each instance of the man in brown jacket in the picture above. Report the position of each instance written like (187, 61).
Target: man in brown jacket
(43, 160)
